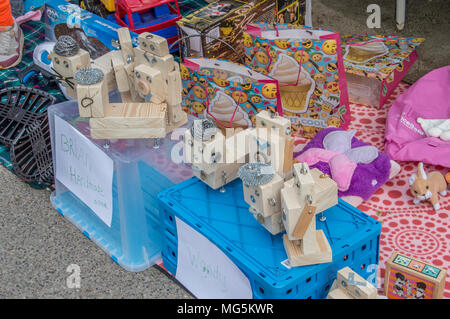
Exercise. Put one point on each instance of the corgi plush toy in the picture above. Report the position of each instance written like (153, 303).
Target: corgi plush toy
(427, 186)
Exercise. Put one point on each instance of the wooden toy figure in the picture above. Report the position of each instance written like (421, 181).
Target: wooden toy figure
(350, 285)
(262, 191)
(409, 278)
(308, 193)
(212, 161)
(150, 88)
(67, 58)
(425, 186)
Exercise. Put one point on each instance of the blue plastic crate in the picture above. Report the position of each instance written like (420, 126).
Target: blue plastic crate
(224, 219)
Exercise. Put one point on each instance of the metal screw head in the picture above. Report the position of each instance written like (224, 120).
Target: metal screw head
(272, 202)
(129, 59)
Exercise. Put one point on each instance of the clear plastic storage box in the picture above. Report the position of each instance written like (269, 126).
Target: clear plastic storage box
(140, 170)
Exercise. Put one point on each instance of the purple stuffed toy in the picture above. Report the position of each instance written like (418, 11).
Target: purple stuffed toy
(358, 168)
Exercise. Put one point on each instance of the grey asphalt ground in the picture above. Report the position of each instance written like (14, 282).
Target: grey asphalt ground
(37, 244)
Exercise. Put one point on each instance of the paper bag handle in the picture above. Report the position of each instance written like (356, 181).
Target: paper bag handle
(370, 41)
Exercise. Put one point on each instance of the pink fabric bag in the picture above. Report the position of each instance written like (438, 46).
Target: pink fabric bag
(428, 98)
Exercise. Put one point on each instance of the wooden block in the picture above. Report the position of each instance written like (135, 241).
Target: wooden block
(174, 88)
(266, 146)
(272, 223)
(65, 68)
(154, 44)
(303, 180)
(99, 94)
(122, 82)
(132, 116)
(104, 63)
(92, 99)
(424, 280)
(296, 256)
(288, 157)
(291, 209)
(150, 84)
(266, 198)
(175, 114)
(338, 294)
(133, 94)
(114, 133)
(165, 64)
(304, 221)
(205, 156)
(237, 149)
(126, 45)
(354, 285)
(224, 174)
(84, 105)
(264, 119)
(325, 193)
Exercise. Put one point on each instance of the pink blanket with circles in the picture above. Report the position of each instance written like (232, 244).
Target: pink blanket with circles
(414, 230)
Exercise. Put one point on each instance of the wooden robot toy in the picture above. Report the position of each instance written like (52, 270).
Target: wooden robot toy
(308, 193)
(215, 158)
(67, 58)
(147, 78)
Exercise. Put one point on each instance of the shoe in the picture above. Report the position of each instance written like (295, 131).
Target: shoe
(11, 46)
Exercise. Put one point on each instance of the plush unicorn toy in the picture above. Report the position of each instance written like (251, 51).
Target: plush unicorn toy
(427, 186)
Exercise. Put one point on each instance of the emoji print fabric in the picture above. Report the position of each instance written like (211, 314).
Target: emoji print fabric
(308, 65)
(228, 93)
(376, 56)
(375, 64)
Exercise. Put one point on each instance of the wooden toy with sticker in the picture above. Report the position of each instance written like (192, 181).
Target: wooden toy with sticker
(410, 278)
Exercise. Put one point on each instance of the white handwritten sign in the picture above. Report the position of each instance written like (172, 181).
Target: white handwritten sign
(84, 169)
(205, 270)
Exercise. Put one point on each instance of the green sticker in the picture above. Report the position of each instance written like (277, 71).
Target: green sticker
(402, 260)
(431, 271)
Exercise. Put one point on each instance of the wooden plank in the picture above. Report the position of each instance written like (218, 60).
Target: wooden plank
(338, 294)
(288, 155)
(149, 82)
(83, 98)
(153, 43)
(98, 92)
(164, 64)
(304, 221)
(126, 45)
(135, 110)
(144, 132)
(120, 72)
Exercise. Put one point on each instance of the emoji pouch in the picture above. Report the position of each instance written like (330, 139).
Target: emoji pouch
(308, 65)
(228, 93)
